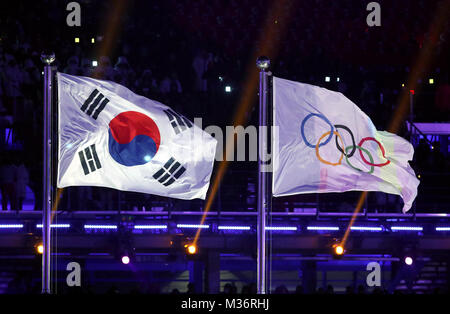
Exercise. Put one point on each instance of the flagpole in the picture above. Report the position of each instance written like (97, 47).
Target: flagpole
(47, 59)
(263, 64)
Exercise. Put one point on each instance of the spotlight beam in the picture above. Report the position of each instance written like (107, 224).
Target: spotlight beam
(110, 30)
(420, 67)
(270, 38)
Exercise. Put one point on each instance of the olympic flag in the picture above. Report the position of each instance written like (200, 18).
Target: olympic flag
(325, 143)
(111, 137)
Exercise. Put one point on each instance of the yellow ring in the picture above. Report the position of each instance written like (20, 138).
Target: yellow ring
(317, 149)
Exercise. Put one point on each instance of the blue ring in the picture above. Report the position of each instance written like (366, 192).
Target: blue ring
(302, 129)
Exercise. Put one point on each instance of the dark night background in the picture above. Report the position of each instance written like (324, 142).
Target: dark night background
(184, 54)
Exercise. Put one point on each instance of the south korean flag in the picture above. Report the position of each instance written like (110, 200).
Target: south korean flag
(111, 137)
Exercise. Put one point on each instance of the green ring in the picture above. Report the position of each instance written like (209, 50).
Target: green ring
(372, 168)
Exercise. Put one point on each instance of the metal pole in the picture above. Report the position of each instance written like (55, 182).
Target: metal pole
(263, 64)
(47, 59)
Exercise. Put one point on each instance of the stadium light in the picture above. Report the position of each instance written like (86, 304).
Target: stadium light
(40, 248)
(191, 249)
(125, 260)
(100, 226)
(408, 260)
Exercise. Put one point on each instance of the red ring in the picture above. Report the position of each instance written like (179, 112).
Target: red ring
(382, 151)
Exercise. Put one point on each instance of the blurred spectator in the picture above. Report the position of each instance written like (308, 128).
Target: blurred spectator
(7, 185)
(190, 288)
(200, 65)
(330, 289)
(228, 288)
(438, 158)
(146, 84)
(13, 82)
(73, 67)
(361, 289)
(170, 84)
(2, 94)
(281, 290)
(86, 67)
(422, 155)
(104, 70)
(123, 74)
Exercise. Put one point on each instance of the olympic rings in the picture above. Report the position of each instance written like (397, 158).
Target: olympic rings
(317, 149)
(302, 129)
(349, 151)
(340, 126)
(372, 168)
(382, 152)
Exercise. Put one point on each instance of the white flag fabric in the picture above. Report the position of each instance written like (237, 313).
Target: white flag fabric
(325, 143)
(111, 137)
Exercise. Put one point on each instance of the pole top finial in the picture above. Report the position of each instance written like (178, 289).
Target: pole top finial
(263, 63)
(47, 57)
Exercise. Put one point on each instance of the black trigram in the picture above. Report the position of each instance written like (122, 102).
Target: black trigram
(89, 159)
(178, 122)
(170, 172)
(95, 103)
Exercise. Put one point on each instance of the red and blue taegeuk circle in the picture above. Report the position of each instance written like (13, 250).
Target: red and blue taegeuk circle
(134, 138)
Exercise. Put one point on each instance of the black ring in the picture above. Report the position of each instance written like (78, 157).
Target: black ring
(337, 126)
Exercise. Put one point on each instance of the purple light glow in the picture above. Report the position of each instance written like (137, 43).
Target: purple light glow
(281, 228)
(363, 228)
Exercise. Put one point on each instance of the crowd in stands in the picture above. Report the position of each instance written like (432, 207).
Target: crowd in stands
(184, 53)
